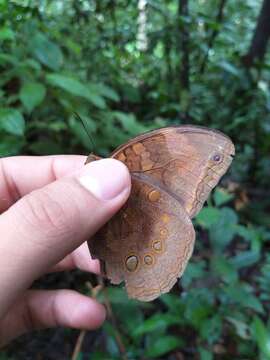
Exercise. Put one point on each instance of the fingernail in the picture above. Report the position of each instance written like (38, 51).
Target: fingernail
(105, 178)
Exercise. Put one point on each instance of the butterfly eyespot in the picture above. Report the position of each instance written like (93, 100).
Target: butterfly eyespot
(132, 263)
(148, 260)
(154, 195)
(157, 245)
(163, 232)
(217, 158)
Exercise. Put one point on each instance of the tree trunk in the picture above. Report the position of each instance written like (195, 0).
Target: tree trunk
(256, 52)
(183, 12)
(260, 38)
(184, 63)
(142, 41)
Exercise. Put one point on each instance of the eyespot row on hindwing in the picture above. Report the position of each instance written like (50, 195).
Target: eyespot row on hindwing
(133, 261)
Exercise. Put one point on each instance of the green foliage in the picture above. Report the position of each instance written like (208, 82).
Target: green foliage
(12, 121)
(75, 87)
(32, 94)
(262, 337)
(45, 51)
(217, 299)
(222, 232)
(162, 345)
(3, 356)
(59, 58)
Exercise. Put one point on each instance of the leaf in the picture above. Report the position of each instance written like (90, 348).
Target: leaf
(111, 337)
(254, 303)
(251, 234)
(199, 306)
(73, 46)
(33, 65)
(222, 232)
(10, 144)
(163, 345)
(211, 328)
(241, 328)
(46, 51)
(130, 315)
(154, 323)
(129, 122)
(245, 232)
(75, 87)
(116, 295)
(32, 94)
(262, 336)
(105, 91)
(98, 355)
(193, 271)
(69, 84)
(6, 34)
(241, 294)
(8, 59)
(223, 267)
(173, 303)
(12, 121)
(230, 68)
(221, 196)
(96, 100)
(205, 354)
(208, 216)
(245, 259)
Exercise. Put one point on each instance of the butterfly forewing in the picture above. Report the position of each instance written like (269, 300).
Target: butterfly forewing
(186, 161)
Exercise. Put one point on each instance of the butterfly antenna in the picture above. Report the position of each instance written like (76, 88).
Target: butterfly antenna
(86, 130)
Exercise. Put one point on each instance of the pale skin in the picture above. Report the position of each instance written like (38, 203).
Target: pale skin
(49, 207)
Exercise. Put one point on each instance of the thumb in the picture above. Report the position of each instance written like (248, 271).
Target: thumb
(49, 223)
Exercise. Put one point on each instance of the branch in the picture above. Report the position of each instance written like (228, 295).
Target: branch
(184, 64)
(212, 38)
(258, 46)
(93, 293)
(112, 318)
(183, 12)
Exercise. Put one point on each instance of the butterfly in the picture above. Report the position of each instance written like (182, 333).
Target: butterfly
(149, 242)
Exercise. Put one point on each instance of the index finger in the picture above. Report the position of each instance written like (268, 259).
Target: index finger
(22, 174)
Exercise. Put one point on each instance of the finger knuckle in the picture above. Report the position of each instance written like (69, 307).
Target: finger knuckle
(28, 318)
(47, 214)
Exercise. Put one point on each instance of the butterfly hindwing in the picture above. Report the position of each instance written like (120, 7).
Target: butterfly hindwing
(147, 244)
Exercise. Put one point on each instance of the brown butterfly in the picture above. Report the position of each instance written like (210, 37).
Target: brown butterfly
(149, 241)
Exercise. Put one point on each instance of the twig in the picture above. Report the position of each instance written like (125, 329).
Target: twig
(93, 292)
(78, 345)
(118, 337)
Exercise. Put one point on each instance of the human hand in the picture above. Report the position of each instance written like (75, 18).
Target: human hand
(49, 207)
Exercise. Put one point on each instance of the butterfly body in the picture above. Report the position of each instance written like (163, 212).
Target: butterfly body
(149, 242)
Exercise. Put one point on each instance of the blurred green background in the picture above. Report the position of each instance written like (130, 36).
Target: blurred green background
(126, 67)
